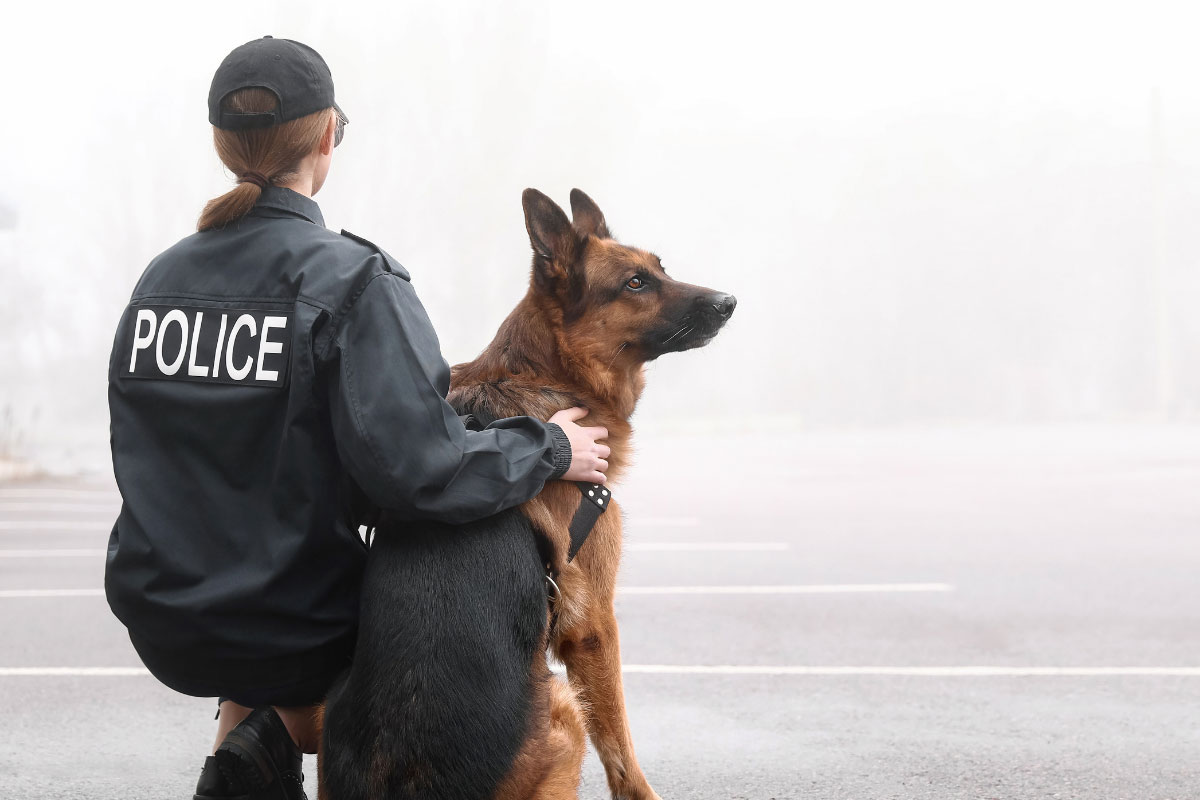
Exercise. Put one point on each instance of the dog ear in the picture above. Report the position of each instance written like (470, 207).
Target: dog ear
(554, 241)
(588, 217)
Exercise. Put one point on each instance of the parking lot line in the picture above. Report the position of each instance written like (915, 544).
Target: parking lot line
(59, 507)
(816, 588)
(68, 672)
(19, 593)
(918, 672)
(51, 553)
(27, 525)
(703, 547)
(833, 588)
(748, 670)
(58, 494)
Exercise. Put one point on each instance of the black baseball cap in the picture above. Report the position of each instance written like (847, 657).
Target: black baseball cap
(294, 72)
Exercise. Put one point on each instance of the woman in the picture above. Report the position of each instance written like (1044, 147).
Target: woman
(271, 384)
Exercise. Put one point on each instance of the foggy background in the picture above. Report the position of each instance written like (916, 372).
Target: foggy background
(920, 522)
(932, 214)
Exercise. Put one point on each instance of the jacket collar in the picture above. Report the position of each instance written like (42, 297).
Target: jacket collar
(278, 198)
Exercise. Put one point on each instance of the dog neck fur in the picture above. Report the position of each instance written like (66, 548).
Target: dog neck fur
(533, 367)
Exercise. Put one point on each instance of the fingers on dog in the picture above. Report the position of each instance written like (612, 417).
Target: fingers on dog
(573, 414)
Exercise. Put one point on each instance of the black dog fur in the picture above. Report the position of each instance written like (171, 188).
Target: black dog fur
(451, 621)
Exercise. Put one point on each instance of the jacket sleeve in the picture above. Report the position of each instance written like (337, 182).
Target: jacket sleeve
(399, 438)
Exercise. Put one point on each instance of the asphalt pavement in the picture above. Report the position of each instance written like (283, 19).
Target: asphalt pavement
(916, 614)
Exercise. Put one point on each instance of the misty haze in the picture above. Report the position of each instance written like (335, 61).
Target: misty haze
(921, 522)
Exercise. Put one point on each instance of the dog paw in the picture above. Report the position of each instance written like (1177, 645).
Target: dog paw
(644, 793)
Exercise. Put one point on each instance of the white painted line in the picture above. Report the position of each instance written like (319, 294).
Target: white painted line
(703, 547)
(688, 669)
(829, 588)
(61, 672)
(25, 526)
(834, 588)
(48, 553)
(58, 494)
(61, 508)
(15, 593)
(919, 672)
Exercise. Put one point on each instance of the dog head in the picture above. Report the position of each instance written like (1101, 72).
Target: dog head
(617, 303)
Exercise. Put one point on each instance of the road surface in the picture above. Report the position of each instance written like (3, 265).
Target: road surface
(926, 614)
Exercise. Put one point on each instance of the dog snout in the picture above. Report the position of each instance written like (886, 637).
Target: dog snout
(719, 304)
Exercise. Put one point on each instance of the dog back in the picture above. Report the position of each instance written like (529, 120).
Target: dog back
(442, 681)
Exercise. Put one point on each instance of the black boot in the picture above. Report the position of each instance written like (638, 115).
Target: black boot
(259, 760)
(211, 785)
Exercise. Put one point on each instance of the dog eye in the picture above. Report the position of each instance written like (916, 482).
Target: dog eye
(635, 283)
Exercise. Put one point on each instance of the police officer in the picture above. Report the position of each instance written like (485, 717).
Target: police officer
(271, 383)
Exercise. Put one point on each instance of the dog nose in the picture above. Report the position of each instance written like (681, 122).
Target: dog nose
(723, 304)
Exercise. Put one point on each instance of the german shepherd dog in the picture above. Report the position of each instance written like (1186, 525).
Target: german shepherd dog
(449, 695)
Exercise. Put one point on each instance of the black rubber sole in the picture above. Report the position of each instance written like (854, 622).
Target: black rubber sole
(223, 797)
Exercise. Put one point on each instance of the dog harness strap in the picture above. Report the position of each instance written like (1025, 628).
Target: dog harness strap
(596, 500)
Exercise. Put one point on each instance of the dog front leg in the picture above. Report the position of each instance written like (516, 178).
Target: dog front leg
(592, 654)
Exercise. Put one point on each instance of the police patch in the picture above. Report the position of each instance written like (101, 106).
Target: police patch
(239, 347)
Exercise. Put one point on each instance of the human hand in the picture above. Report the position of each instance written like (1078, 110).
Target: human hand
(588, 455)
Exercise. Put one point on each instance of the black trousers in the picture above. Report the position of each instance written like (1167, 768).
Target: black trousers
(299, 679)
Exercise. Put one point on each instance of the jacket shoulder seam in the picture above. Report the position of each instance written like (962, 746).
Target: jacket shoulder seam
(391, 264)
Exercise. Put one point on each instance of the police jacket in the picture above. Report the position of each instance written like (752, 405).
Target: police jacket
(264, 379)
